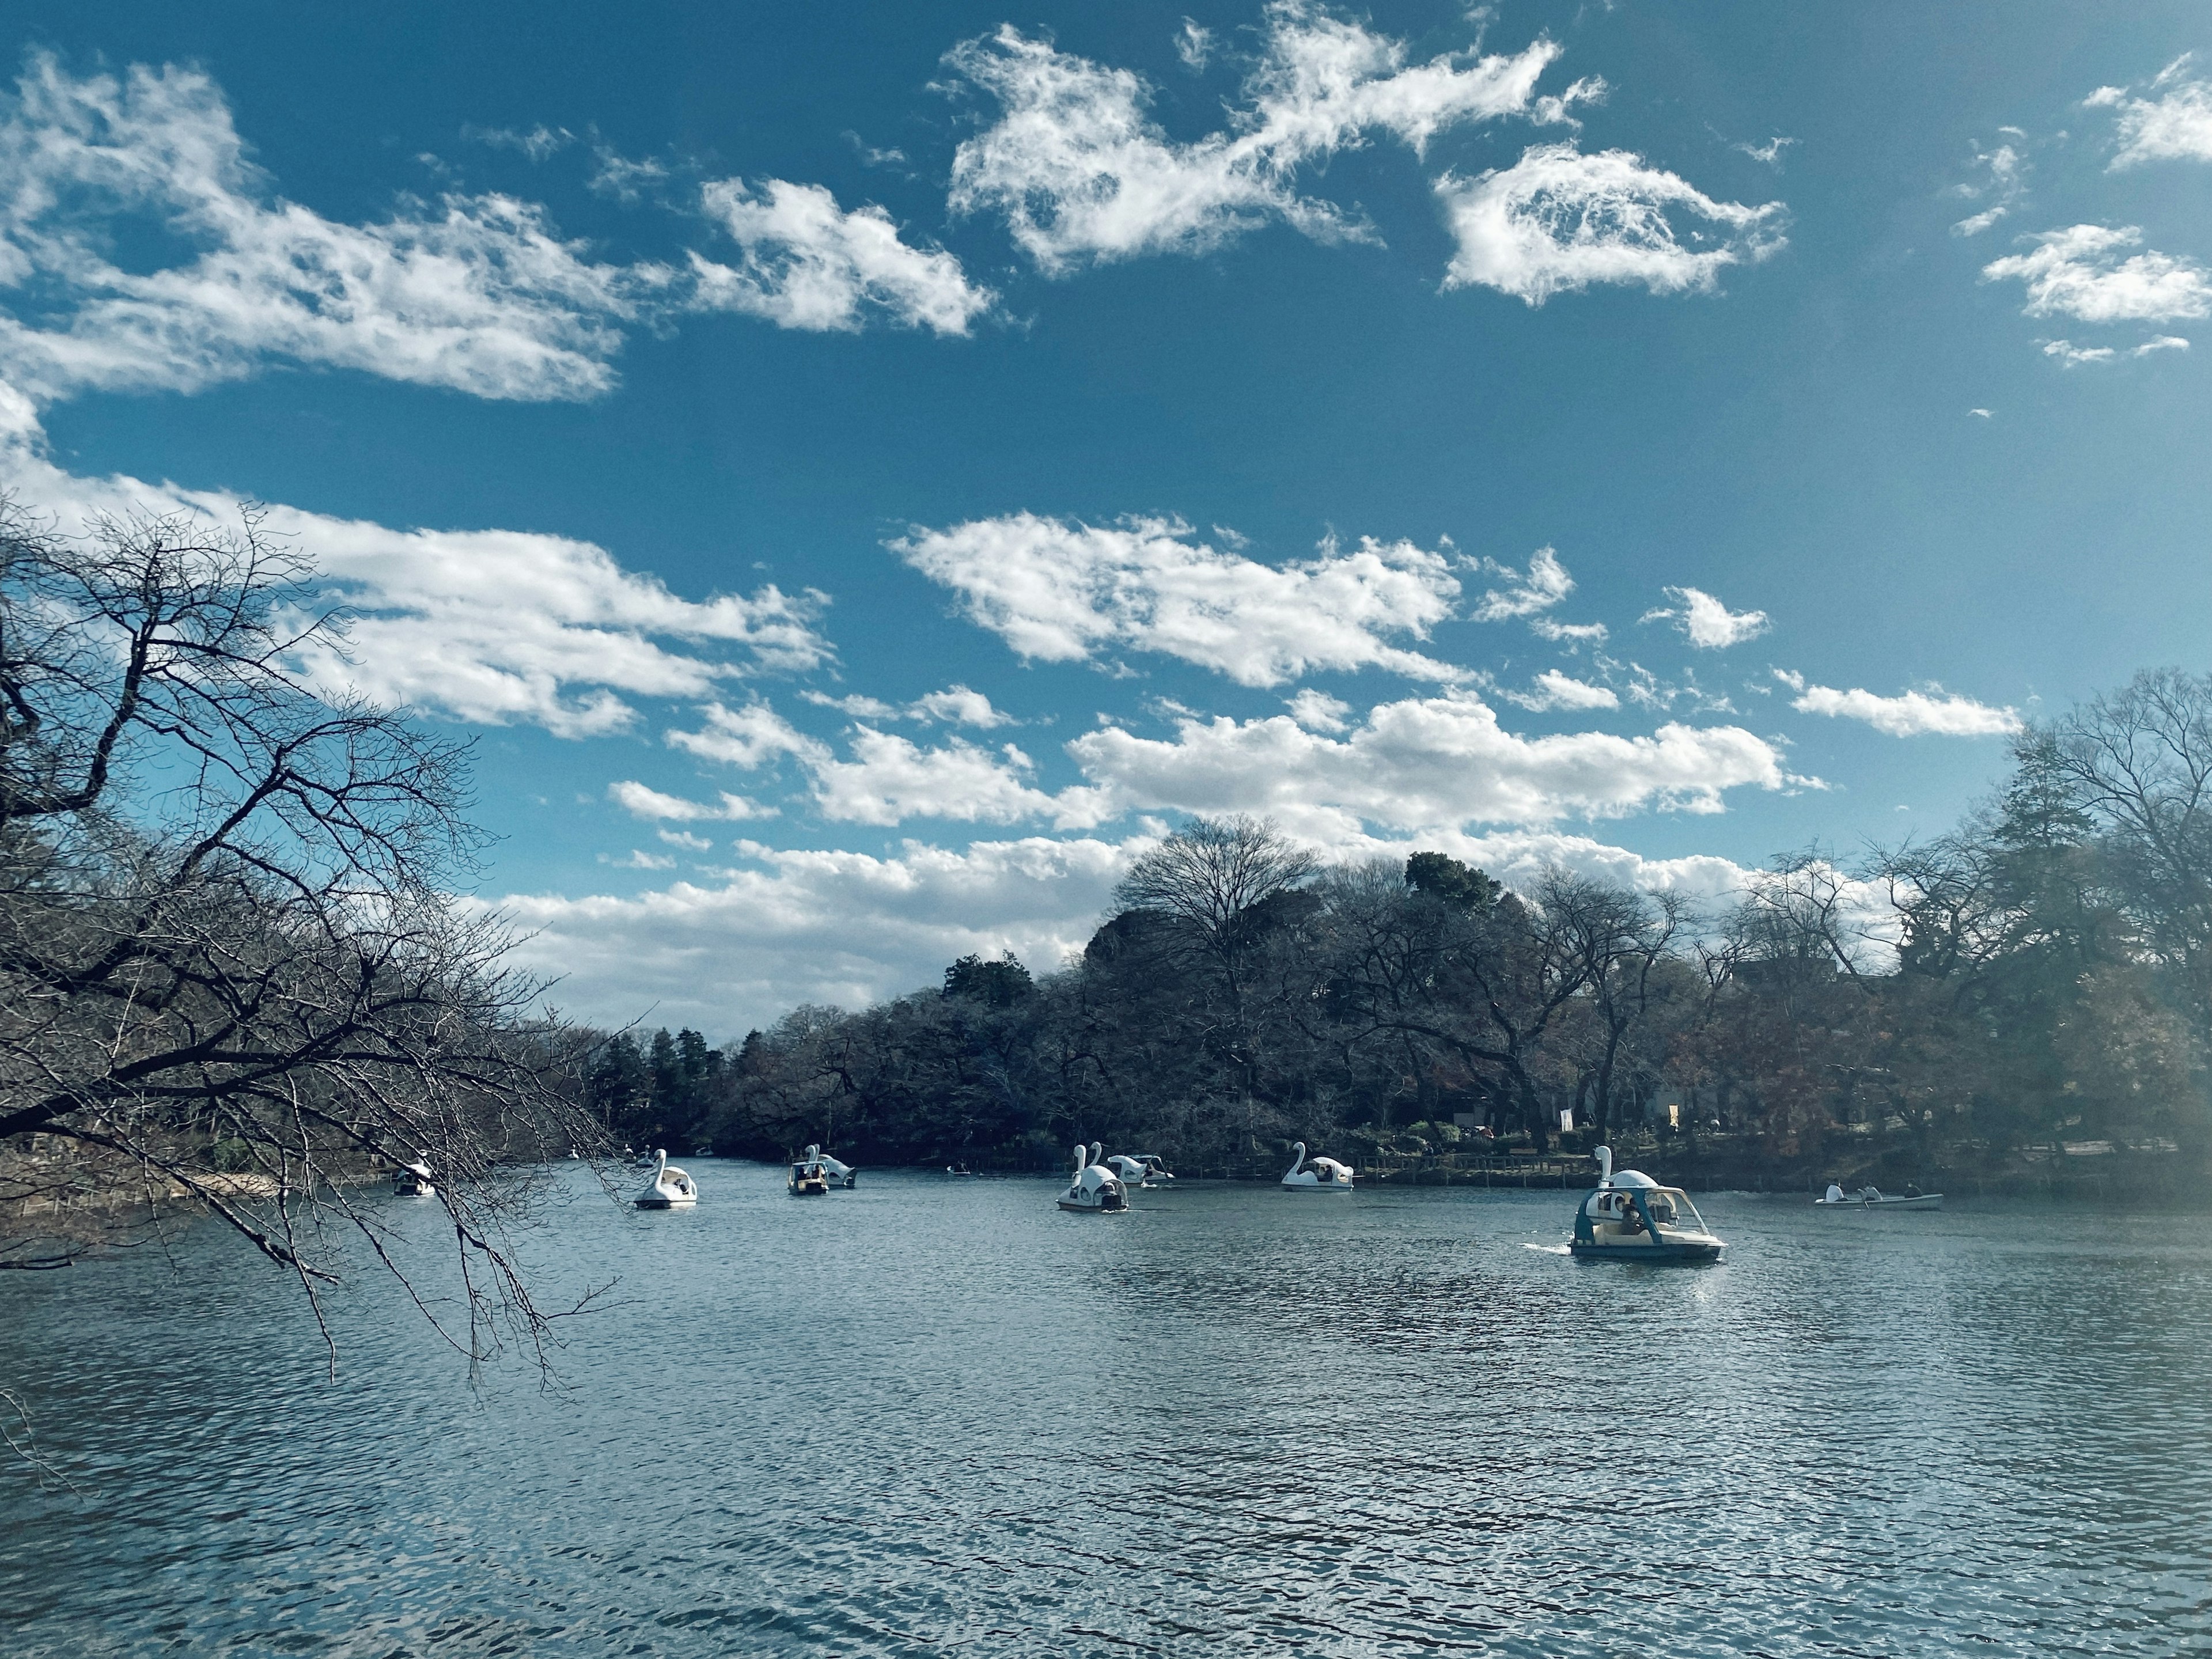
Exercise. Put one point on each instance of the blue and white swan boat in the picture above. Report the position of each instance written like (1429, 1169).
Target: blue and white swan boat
(1632, 1217)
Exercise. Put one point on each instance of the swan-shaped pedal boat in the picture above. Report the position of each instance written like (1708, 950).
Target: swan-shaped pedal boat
(413, 1180)
(669, 1189)
(810, 1178)
(841, 1174)
(1095, 1189)
(1632, 1217)
(1141, 1169)
(1322, 1175)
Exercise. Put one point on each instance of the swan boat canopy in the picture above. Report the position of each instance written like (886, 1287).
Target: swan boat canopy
(1095, 1190)
(1873, 1198)
(669, 1189)
(841, 1174)
(1632, 1217)
(1322, 1175)
(413, 1180)
(810, 1178)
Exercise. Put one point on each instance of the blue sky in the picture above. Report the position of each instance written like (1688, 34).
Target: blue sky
(862, 476)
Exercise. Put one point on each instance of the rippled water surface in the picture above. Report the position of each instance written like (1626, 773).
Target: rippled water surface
(929, 1414)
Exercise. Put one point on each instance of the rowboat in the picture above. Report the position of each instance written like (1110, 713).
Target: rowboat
(1873, 1198)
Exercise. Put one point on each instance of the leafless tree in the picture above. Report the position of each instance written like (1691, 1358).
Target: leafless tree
(233, 976)
(2138, 763)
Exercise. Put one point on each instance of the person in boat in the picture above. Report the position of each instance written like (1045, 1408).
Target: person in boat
(1834, 1194)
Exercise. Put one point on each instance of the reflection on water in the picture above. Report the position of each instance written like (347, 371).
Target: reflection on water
(927, 1414)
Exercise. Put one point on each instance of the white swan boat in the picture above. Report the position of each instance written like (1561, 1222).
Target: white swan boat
(1322, 1175)
(1141, 1169)
(1632, 1217)
(809, 1178)
(669, 1189)
(413, 1180)
(1873, 1198)
(1095, 1190)
(841, 1174)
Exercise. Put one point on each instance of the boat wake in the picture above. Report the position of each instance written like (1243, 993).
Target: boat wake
(1549, 1249)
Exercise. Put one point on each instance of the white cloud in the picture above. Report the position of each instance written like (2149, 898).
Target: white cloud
(1083, 175)
(623, 179)
(857, 706)
(2176, 126)
(958, 706)
(2078, 272)
(1915, 714)
(1194, 44)
(686, 840)
(1982, 413)
(494, 626)
(820, 927)
(641, 802)
(1706, 622)
(1558, 220)
(1432, 764)
(804, 263)
(1542, 585)
(1061, 590)
(1319, 712)
(2008, 183)
(477, 294)
(1769, 152)
(750, 736)
(1572, 633)
(2070, 356)
(539, 142)
(1554, 689)
(638, 860)
(890, 780)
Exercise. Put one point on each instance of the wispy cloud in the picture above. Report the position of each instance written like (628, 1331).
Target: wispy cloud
(2176, 126)
(1769, 154)
(641, 802)
(954, 705)
(1554, 689)
(2080, 272)
(1911, 714)
(491, 626)
(1526, 592)
(537, 142)
(1061, 590)
(806, 264)
(1194, 44)
(1558, 220)
(477, 294)
(2006, 184)
(1420, 764)
(1705, 621)
(1083, 175)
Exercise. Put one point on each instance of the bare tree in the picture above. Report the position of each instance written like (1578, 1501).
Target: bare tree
(2138, 763)
(234, 978)
(1617, 940)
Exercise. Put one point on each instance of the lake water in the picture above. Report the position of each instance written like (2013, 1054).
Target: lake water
(932, 1414)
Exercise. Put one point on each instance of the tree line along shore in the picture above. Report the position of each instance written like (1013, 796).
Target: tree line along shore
(2020, 1004)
